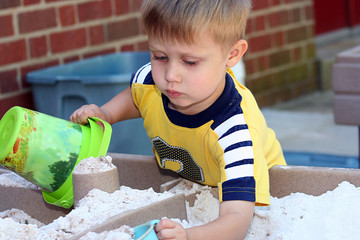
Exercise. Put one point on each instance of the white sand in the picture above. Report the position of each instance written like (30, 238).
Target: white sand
(94, 165)
(11, 179)
(122, 233)
(331, 216)
(93, 209)
(20, 216)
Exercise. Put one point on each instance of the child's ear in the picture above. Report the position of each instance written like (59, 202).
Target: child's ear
(236, 52)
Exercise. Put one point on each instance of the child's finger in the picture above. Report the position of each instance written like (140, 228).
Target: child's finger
(163, 224)
(166, 229)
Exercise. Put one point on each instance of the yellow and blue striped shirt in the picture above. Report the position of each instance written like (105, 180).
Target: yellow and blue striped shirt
(227, 145)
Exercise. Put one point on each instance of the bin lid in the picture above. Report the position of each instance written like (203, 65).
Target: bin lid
(104, 69)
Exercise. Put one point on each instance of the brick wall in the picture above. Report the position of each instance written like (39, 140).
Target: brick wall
(280, 62)
(35, 34)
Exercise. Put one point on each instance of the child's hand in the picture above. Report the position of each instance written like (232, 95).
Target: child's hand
(82, 114)
(167, 229)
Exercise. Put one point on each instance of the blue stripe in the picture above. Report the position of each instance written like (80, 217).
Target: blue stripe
(136, 75)
(148, 79)
(235, 129)
(239, 189)
(240, 162)
(238, 145)
(232, 105)
(132, 78)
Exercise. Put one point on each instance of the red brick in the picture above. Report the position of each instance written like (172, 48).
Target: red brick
(142, 46)
(261, 83)
(94, 10)
(6, 26)
(23, 99)
(263, 63)
(297, 54)
(311, 30)
(275, 2)
(310, 50)
(69, 40)
(101, 52)
(297, 34)
(38, 46)
(249, 26)
(309, 12)
(250, 66)
(295, 15)
(256, 24)
(278, 39)
(67, 15)
(260, 43)
(122, 6)
(25, 70)
(29, 2)
(123, 29)
(278, 18)
(97, 35)
(279, 58)
(71, 59)
(12, 52)
(8, 81)
(260, 4)
(9, 3)
(293, 1)
(135, 5)
(37, 20)
(260, 23)
(127, 48)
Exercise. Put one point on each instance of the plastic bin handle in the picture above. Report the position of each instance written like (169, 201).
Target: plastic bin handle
(106, 137)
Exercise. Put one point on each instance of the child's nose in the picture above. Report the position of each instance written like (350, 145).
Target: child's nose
(172, 73)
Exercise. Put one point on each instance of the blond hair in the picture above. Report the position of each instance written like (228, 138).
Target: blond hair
(183, 20)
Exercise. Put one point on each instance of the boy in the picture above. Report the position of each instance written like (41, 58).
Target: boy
(203, 124)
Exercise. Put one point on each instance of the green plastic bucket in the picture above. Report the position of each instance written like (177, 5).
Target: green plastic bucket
(44, 149)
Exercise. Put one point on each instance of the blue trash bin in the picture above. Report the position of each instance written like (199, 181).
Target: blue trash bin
(60, 90)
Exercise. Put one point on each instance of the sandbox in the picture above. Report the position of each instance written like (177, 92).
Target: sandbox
(142, 172)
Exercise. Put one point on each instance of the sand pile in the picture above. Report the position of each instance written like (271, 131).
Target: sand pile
(331, 216)
(94, 165)
(93, 209)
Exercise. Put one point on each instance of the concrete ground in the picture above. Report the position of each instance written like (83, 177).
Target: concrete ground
(306, 126)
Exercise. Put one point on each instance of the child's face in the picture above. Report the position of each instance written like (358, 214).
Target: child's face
(191, 76)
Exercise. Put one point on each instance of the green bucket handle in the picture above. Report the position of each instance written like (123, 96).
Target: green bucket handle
(63, 196)
(105, 141)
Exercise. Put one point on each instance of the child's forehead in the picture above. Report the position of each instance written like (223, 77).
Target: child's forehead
(201, 40)
(192, 39)
(162, 35)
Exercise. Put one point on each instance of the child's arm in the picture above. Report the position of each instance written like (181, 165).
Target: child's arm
(234, 220)
(121, 107)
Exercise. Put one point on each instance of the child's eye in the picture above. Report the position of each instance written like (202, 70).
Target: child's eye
(160, 58)
(190, 63)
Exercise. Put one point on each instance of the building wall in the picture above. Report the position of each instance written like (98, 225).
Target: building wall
(280, 63)
(36, 34)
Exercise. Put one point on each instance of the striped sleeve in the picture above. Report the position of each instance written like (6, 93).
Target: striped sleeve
(235, 140)
(143, 75)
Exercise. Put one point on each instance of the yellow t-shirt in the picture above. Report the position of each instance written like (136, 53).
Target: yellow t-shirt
(227, 145)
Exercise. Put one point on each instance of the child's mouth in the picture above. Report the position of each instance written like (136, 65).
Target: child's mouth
(173, 94)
